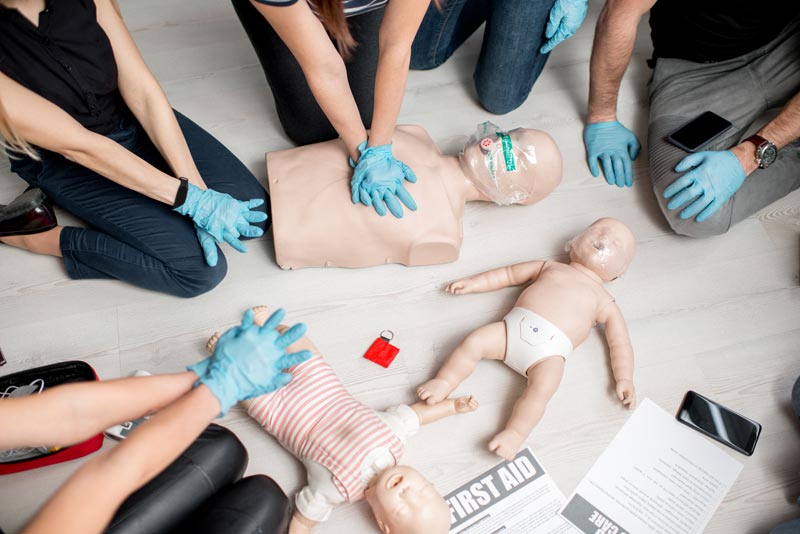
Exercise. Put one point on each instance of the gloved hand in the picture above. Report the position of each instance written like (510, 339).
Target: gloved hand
(248, 360)
(378, 180)
(566, 17)
(714, 178)
(221, 217)
(615, 147)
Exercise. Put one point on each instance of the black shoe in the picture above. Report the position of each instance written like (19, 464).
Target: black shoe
(29, 213)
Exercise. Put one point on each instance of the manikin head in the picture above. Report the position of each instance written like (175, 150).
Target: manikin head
(518, 167)
(404, 502)
(605, 248)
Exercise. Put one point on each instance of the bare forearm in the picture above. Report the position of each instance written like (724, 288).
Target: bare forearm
(784, 128)
(88, 500)
(611, 53)
(158, 119)
(400, 23)
(69, 414)
(333, 94)
(111, 160)
(781, 130)
(144, 96)
(390, 84)
(45, 125)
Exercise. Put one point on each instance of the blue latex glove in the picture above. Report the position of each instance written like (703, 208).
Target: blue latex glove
(566, 17)
(249, 360)
(615, 147)
(378, 180)
(714, 178)
(219, 217)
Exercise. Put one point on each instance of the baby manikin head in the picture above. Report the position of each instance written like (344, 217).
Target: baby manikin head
(606, 247)
(404, 502)
(518, 167)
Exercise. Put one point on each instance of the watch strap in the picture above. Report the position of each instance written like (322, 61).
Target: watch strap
(183, 190)
(757, 140)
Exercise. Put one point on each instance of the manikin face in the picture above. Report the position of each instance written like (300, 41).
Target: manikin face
(606, 248)
(404, 502)
(522, 171)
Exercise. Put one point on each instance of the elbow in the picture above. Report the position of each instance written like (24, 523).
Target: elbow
(327, 77)
(396, 52)
(621, 15)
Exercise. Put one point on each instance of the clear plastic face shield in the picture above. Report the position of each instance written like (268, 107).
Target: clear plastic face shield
(497, 166)
(606, 248)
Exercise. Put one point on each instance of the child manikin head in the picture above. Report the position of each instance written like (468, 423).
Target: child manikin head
(606, 248)
(518, 167)
(404, 502)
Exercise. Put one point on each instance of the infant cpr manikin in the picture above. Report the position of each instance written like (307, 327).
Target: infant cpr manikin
(551, 317)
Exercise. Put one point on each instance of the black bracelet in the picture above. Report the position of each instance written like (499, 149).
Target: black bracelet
(183, 189)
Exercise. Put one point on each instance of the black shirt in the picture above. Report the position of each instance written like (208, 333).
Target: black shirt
(68, 60)
(708, 31)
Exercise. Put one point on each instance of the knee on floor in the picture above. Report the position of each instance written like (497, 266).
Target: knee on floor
(304, 133)
(193, 277)
(499, 104)
(716, 225)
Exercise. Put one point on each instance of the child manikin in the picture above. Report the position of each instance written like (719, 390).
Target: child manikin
(315, 223)
(350, 451)
(550, 317)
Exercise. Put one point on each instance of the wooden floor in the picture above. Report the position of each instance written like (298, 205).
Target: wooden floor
(720, 316)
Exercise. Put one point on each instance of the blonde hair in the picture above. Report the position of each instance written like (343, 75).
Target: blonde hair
(10, 140)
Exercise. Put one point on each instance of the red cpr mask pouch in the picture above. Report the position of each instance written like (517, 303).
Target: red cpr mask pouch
(32, 381)
(381, 351)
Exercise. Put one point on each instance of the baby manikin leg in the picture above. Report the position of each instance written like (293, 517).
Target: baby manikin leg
(486, 343)
(543, 380)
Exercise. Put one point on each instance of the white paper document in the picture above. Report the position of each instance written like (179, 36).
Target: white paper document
(656, 477)
(516, 497)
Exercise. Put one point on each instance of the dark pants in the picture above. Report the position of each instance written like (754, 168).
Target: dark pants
(509, 63)
(132, 237)
(301, 117)
(202, 492)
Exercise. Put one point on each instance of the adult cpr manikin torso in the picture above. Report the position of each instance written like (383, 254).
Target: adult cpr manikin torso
(315, 224)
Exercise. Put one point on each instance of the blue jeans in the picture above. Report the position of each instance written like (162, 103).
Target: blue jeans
(509, 63)
(130, 236)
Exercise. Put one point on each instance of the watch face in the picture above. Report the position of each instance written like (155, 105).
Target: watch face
(768, 155)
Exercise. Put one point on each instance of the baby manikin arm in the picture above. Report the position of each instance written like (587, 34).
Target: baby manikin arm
(512, 275)
(619, 345)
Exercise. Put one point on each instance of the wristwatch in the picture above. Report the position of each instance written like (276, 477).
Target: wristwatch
(183, 190)
(766, 151)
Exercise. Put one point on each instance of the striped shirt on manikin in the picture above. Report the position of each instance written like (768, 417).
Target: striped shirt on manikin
(316, 419)
(351, 7)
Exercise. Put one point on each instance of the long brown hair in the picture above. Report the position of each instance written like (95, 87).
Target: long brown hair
(331, 14)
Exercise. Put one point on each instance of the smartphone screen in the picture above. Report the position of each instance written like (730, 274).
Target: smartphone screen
(720, 423)
(699, 132)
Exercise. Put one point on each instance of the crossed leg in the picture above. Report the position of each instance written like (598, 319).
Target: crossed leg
(485, 343)
(543, 380)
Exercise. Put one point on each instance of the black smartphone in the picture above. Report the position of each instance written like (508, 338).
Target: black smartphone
(698, 132)
(718, 422)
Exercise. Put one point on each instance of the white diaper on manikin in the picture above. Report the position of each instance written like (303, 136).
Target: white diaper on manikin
(531, 338)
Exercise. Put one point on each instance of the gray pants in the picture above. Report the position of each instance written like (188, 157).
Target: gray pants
(741, 90)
